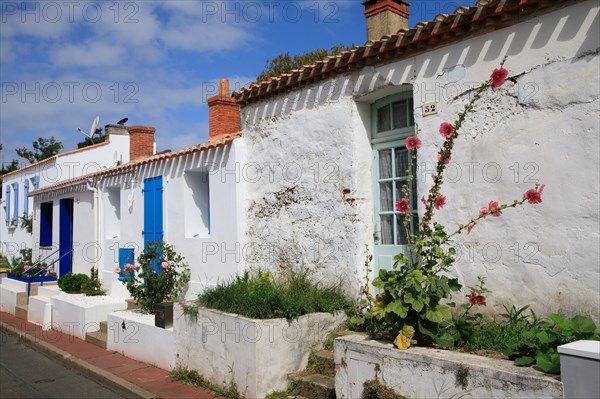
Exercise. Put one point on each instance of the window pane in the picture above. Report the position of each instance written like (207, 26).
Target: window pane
(415, 222)
(399, 194)
(400, 114)
(387, 232)
(402, 155)
(385, 164)
(385, 196)
(411, 112)
(400, 230)
(383, 119)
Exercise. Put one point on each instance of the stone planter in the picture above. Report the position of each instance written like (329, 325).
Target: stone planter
(257, 355)
(77, 314)
(134, 334)
(432, 373)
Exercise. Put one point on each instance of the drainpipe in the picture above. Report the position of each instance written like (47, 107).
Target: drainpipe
(94, 188)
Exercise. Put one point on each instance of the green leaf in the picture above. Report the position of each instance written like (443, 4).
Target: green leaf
(548, 362)
(378, 283)
(445, 340)
(583, 325)
(438, 313)
(563, 323)
(524, 361)
(398, 308)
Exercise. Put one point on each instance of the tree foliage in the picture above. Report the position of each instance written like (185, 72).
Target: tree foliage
(42, 149)
(284, 63)
(87, 142)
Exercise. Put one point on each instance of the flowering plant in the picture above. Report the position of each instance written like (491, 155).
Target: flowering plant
(412, 303)
(160, 275)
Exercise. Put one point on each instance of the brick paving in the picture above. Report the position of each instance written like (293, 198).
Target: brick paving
(152, 379)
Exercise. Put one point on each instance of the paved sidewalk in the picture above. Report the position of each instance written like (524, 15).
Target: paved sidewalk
(132, 378)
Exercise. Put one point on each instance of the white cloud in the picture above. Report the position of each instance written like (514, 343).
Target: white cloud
(89, 54)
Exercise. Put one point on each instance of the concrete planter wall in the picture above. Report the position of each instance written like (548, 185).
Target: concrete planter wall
(257, 355)
(133, 333)
(431, 373)
(77, 314)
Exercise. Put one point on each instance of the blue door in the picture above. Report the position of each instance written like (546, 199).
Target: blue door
(153, 210)
(65, 235)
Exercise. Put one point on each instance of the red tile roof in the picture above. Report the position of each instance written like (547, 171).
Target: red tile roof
(62, 154)
(213, 142)
(442, 30)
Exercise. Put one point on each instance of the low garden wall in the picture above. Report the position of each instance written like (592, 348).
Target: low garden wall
(430, 373)
(256, 355)
(133, 334)
(77, 314)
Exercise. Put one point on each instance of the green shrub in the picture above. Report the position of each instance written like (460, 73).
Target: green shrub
(373, 389)
(93, 287)
(262, 297)
(72, 282)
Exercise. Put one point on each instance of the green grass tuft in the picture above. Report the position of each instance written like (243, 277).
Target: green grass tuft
(262, 297)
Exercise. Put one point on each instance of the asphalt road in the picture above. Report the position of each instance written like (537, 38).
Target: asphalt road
(25, 373)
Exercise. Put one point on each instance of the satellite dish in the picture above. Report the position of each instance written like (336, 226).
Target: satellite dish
(93, 130)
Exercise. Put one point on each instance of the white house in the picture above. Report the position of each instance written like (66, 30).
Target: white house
(17, 185)
(333, 133)
(303, 170)
(189, 198)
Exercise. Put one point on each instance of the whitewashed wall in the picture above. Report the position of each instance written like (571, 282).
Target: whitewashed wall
(51, 172)
(211, 257)
(543, 127)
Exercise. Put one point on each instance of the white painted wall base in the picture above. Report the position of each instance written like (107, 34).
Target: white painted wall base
(255, 354)
(77, 314)
(9, 290)
(40, 311)
(140, 339)
(431, 373)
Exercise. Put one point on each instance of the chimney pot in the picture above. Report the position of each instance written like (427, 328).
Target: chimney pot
(141, 142)
(385, 17)
(223, 112)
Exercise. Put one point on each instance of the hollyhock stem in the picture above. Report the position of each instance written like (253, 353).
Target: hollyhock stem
(446, 151)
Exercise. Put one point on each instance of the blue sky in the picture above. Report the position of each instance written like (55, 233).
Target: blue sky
(64, 62)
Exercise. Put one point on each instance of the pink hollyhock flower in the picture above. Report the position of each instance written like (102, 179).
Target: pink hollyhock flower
(118, 270)
(402, 206)
(423, 200)
(476, 299)
(440, 202)
(27, 267)
(128, 267)
(498, 77)
(493, 208)
(533, 197)
(165, 265)
(446, 130)
(413, 142)
(483, 211)
(447, 161)
(470, 227)
(135, 267)
(370, 258)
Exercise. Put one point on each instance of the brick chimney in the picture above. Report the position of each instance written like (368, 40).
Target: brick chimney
(385, 17)
(141, 142)
(223, 112)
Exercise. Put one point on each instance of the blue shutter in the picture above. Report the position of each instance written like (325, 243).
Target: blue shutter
(125, 256)
(153, 212)
(26, 199)
(8, 205)
(36, 182)
(16, 203)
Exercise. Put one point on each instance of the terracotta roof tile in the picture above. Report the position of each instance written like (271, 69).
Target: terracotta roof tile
(443, 29)
(213, 142)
